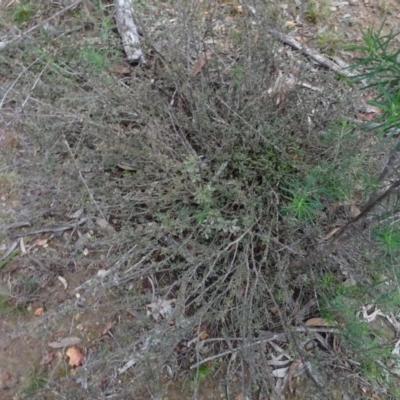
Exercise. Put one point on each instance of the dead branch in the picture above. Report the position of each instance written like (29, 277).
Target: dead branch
(128, 30)
(313, 54)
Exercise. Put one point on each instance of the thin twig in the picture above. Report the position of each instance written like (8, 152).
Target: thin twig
(84, 182)
(50, 229)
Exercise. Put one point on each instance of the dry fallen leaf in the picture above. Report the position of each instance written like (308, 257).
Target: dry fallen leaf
(201, 61)
(364, 116)
(292, 369)
(63, 281)
(6, 376)
(76, 214)
(354, 211)
(203, 335)
(121, 69)
(102, 273)
(47, 358)
(38, 312)
(290, 24)
(75, 355)
(162, 308)
(107, 327)
(68, 341)
(41, 242)
(126, 167)
(331, 233)
(22, 246)
(239, 9)
(319, 322)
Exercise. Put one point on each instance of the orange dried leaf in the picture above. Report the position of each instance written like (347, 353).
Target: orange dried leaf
(41, 242)
(38, 312)
(203, 335)
(75, 355)
(121, 69)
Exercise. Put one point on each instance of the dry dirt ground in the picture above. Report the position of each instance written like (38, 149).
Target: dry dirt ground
(35, 279)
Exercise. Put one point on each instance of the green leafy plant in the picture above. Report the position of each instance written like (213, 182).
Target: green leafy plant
(96, 58)
(36, 381)
(203, 372)
(303, 200)
(22, 13)
(381, 71)
(389, 238)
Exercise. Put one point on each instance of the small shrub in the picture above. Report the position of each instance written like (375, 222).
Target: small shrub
(317, 11)
(22, 13)
(329, 41)
(303, 201)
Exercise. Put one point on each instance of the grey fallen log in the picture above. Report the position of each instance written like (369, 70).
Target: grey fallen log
(128, 30)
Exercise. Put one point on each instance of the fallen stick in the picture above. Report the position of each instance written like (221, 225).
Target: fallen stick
(128, 31)
(56, 229)
(313, 54)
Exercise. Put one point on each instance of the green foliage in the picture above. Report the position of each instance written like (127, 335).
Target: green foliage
(381, 68)
(99, 59)
(388, 237)
(106, 28)
(9, 258)
(238, 74)
(303, 200)
(381, 71)
(36, 381)
(203, 372)
(22, 13)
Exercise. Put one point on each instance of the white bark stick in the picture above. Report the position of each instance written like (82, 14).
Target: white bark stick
(319, 58)
(128, 31)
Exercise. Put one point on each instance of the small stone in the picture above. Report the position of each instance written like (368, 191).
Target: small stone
(353, 2)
